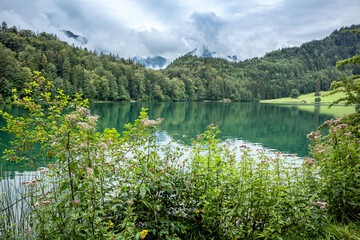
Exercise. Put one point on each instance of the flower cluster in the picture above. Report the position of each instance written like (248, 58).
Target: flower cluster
(321, 204)
(313, 135)
(82, 110)
(85, 125)
(32, 183)
(150, 123)
(71, 118)
(308, 161)
(92, 119)
(143, 233)
(47, 202)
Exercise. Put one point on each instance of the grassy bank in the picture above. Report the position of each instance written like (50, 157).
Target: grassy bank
(306, 102)
(306, 99)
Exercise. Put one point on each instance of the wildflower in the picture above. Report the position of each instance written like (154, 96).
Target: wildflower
(329, 122)
(342, 126)
(90, 172)
(102, 145)
(111, 223)
(308, 161)
(148, 123)
(47, 202)
(71, 118)
(347, 134)
(82, 110)
(130, 202)
(321, 204)
(32, 183)
(85, 125)
(52, 165)
(338, 120)
(93, 119)
(310, 135)
(143, 233)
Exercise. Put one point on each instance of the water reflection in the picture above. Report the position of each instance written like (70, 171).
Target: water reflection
(272, 126)
(282, 128)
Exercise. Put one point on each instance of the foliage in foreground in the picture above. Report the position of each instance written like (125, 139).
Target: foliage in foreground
(108, 186)
(338, 153)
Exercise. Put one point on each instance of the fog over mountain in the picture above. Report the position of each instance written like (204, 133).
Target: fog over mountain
(169, 29)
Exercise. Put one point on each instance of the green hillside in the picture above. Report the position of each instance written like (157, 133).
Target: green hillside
(102, 77)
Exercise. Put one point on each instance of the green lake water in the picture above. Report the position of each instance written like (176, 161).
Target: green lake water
(275, 127)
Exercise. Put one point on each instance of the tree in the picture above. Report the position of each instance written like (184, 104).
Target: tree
(317, 100)
(350, 85)
(44, 61)
(317, 87)
(294, 93)
(3, 26)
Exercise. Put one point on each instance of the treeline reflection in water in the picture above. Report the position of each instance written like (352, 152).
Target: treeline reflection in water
(277, 127)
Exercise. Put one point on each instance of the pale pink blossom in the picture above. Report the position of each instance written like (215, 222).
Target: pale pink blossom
(71, 118)
(90, 172)
(82, 110)
(93, 119)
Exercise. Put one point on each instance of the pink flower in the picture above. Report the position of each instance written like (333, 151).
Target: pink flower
(85, 125)
(321, 204)
(102, 145)
(342, 126)
(93, 119)
(46, 202)
(71, 118)
(82, 110)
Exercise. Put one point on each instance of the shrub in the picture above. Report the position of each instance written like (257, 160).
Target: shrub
(294, 93)
(317, 99)
(337, 156)
(108, 186)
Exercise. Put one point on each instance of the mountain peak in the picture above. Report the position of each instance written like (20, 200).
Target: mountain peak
(156, 62)
(78, 38)
(202, 52)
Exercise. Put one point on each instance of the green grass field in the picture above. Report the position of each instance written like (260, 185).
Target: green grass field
(306, 99)
(306, 102)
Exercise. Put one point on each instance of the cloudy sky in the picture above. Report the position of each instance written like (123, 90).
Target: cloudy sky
(170, 28)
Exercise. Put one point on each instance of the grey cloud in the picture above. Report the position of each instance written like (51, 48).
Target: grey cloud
(208, 26)
(241, 27)
(160, 42)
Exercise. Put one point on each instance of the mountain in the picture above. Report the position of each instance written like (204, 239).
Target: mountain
(104, 77)
(82, 40)
(156, 62)
(204, 52)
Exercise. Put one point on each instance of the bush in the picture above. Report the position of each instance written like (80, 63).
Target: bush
(294, 93)
(337, 156)
(317, 99)
(107, 186)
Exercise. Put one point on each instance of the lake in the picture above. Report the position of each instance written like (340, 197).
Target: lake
(275, 127)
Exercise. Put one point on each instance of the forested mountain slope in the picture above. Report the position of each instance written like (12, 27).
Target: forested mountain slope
(188, 78)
